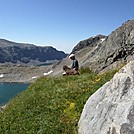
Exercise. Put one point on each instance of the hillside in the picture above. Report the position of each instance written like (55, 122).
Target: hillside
(51, 105)
(11, 52)
(101, 53)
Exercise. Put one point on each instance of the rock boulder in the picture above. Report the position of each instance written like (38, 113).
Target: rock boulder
(111, 109)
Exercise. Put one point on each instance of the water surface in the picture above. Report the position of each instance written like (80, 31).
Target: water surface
(10, 90)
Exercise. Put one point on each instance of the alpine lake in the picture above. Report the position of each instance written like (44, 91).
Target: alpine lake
(10, 90)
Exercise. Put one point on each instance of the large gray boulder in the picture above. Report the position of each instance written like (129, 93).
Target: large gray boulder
(111, 109)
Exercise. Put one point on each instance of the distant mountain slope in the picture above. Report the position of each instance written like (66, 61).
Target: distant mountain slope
(106, 52)
(27, 53)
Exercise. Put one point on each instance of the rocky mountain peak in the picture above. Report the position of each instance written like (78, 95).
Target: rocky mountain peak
(90, 42)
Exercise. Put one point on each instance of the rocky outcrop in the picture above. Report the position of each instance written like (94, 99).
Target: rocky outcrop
(101, 53)
(11, 52)
(82, 51)
(117, 48)
(90, 42)
(111, 109)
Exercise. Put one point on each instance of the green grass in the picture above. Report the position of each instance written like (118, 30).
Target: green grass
(51, 105)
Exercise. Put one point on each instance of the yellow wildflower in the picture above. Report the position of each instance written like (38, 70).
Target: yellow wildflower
(97, 80)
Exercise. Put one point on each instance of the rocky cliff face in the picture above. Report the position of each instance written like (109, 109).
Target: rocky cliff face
(111, 109)
(90, 42)
(104, 52)
(25, 53)
(117, 48)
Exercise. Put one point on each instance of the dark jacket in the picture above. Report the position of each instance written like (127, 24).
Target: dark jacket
(75, 64)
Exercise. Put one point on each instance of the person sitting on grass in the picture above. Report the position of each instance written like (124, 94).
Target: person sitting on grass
(74, 68)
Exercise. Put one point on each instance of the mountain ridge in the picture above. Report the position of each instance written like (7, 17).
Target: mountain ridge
(24, 53)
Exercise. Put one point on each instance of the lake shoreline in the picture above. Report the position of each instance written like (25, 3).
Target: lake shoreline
(9, 90)
(21, 74)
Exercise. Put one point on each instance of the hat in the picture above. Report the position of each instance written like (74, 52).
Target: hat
(72, 55)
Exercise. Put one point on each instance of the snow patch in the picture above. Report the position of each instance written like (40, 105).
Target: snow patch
(2, 75)
(34, 77)
(48, 72)
(102, 40)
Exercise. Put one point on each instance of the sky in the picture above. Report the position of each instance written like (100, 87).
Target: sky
(61, 23)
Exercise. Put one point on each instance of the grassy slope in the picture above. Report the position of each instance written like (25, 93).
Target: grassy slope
(51, 105)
